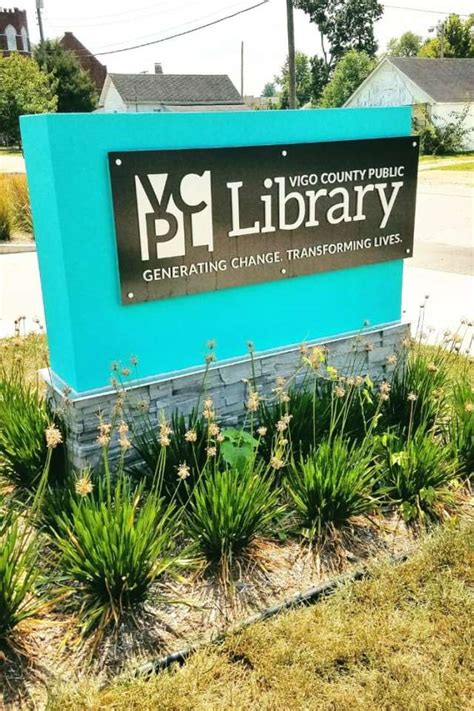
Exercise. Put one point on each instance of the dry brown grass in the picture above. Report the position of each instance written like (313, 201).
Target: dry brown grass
(400, 640)
(15, 203)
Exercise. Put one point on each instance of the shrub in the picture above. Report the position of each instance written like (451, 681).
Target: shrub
(441, 137)
(418, 476)
(228, 511)
(114, 545)
(24, 418)
(330, 486)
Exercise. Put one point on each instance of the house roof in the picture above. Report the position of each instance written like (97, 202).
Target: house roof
(87, 60)
(444, 80)
(180, 89)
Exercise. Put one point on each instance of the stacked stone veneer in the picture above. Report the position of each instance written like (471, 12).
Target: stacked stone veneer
(225, 384)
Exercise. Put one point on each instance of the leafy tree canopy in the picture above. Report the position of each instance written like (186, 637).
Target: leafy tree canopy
(343, 25)
(408, 45)
(269, 89)
(72, 85)
(350, 72)
(24, 89)
(455, 36)
(303, 81)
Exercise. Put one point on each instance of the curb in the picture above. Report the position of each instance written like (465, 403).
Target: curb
(17, 247)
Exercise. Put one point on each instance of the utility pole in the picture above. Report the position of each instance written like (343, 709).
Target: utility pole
(291, 55)
(39, 7)
(441, 40)
(242, 70)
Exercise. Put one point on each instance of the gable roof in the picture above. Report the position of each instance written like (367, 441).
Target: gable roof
(181, 89)
(87, 60)
(444, 80)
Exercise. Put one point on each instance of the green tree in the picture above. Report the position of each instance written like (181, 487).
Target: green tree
(319, 77)
(407, 45)
(24, 89)
(350, 72)
(269, 89)
(454, 38)
(73, 86)
(303, 81)
(343, 25)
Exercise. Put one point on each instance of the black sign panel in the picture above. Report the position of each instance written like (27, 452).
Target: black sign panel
(204, 219)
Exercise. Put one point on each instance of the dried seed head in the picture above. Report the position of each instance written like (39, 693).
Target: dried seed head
(53, 436)
(183, 471)
(84, 486)
(190, 436)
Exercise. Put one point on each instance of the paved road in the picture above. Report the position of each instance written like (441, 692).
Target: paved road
(443, 265)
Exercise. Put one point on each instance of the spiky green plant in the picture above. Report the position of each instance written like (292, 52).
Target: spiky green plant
(228, 510)
(115, 543)
(317, 410)
(20, 573)
(330, 486)
(418, 476)
(24, 418)
(423, 374)
(460, 426)
(146, 442)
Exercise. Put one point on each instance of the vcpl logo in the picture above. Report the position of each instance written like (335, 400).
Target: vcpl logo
(174, 214)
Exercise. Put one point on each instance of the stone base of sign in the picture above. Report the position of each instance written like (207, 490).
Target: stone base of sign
(225, 384)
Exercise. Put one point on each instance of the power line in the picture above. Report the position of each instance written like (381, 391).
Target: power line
(168, 7)
(181, 25)
(419, 9)
(178, 34)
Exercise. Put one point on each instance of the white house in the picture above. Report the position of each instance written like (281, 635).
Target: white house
(169, 92)
(442, 86)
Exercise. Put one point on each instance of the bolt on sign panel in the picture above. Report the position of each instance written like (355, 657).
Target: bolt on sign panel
(198, 220)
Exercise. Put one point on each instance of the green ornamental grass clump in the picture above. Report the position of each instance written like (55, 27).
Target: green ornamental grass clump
(228, 511)
(188, 441)
(460, 427)
(418, 477)
(425, 376)
(20, 574)
(330, 486)
(113, 545)
(24, 418)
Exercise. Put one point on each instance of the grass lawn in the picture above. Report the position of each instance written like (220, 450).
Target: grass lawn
(456, 157)
(400, 640)
(462, 165)
(10, 151)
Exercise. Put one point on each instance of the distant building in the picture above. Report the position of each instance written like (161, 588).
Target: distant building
(169, 92)
(14, 32)
(439, 86)
(262, 102)
(87, 60)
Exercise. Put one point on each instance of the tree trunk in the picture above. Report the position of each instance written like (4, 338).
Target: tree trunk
(291, 55)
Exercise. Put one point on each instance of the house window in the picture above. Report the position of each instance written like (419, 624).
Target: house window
(24, 39)
(10, 33)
